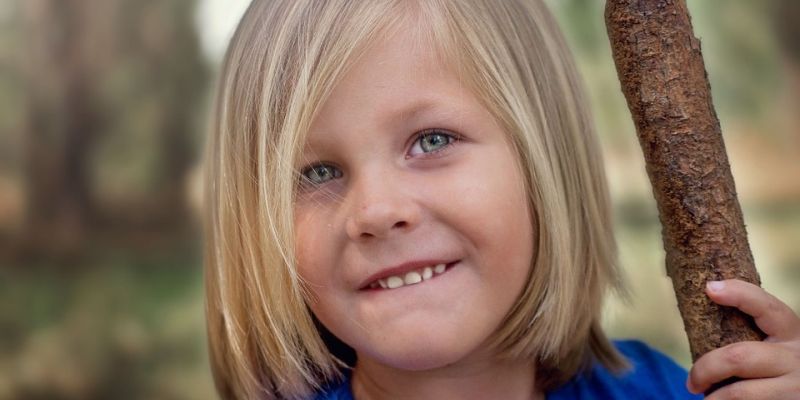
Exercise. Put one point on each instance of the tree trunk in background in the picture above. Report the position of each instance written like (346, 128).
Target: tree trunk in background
(176, 71)
(663, 77)
(88, 65)
(786, 15)
(61, 126)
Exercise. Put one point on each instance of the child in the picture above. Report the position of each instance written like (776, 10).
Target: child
(407, 201)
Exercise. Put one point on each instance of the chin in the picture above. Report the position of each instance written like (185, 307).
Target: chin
(420, 354)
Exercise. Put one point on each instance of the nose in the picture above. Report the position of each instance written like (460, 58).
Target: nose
(380, 205)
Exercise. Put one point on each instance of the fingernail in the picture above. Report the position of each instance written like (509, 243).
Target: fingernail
(715, 286)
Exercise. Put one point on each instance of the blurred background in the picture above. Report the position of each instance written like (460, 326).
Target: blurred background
(103, 111)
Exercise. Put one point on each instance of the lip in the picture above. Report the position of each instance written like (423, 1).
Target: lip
(401, 270)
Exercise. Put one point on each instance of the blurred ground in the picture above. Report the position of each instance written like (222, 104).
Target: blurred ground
(103, 105)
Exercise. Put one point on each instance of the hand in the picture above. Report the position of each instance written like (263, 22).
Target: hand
(769, 369)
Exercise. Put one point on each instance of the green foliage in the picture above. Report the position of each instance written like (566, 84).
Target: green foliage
(739, 48)
(125, 325)
(742, 58)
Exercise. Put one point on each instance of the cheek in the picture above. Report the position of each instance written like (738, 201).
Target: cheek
(495, 198)
(502, 225)
(313, 264)
(312, 239)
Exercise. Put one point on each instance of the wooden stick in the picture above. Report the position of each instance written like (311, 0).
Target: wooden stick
(661, 70)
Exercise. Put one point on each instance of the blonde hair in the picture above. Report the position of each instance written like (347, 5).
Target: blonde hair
(283, 61)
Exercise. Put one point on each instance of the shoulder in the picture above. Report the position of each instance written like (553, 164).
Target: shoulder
(652, 375)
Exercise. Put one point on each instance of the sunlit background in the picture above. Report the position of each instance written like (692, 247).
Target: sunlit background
(103, 109)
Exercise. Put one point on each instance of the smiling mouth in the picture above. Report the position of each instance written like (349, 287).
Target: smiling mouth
(410, 278)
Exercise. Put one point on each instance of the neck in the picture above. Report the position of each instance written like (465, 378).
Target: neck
(514, 380)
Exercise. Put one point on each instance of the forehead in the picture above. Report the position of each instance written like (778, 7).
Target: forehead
(401, 78)
(400, 64)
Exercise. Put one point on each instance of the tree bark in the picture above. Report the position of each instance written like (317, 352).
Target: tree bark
(663, 77)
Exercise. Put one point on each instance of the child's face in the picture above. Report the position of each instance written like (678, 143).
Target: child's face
(388, 203)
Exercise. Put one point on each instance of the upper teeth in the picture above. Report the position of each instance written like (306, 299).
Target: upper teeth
(410, 278)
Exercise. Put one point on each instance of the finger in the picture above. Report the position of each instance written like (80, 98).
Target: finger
(773, 316)
(772, 389)
(742, 360)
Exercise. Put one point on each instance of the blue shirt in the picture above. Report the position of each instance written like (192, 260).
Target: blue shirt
(652, 376)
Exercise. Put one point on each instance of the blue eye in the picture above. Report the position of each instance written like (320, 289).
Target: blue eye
(320, 173)
(430, 141)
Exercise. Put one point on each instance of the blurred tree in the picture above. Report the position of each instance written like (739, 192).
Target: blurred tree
(156, 88)
(62, 120)
(786, 14)
(89, 65)
(177, 73)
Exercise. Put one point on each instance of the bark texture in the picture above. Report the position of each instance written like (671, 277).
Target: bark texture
(663, 77)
